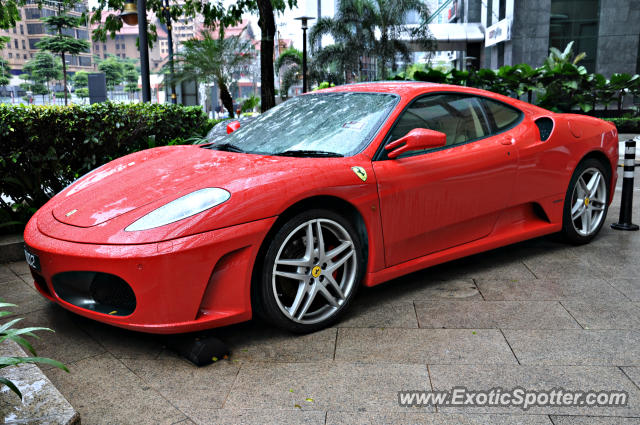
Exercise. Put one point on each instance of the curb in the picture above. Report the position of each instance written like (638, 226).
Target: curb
(41, 401)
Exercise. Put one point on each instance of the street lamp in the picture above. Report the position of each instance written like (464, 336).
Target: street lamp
(305, 20)
(130, 17)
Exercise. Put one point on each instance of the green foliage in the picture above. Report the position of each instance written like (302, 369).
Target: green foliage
(250, 103)
(289, 57)
(559, 84)
(113, 71)
(9, 333)
(44, 148)
(81, 79)
(82, 92)
(626, 124)
(324, 85)
(5, 72)
(372, 29)
(210, 59)
(43, 68)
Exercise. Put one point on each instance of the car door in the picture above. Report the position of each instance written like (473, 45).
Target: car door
(439, 198)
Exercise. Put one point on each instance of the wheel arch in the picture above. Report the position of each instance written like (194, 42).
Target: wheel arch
(327, 202)
(605, 161)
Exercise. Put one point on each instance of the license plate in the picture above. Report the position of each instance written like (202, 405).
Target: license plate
(32, 260)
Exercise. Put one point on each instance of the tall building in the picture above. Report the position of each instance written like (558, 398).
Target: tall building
(125, 44)
(30, 30)
(522, 31)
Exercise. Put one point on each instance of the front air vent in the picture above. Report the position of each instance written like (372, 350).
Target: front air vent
(101, 292)
(545, 126)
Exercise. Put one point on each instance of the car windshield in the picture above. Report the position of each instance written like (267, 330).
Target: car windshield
(327, 124)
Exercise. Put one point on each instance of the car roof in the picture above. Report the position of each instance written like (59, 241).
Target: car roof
(402, 88)
(410, 89)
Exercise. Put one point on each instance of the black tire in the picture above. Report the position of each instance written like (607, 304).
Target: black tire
(569, 231)
(272, 290)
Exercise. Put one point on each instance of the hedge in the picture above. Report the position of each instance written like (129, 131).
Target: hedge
(626, 125)
(44, 148)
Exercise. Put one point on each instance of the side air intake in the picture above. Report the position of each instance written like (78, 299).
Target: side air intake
(545, 126)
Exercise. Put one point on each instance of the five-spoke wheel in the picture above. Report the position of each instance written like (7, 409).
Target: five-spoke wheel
(311, 271)
(586, 202)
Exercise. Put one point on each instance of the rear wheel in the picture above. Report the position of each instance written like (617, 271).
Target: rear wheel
(311, 271)
(586, 203)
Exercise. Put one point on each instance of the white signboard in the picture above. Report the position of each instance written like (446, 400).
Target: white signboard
(497, 33)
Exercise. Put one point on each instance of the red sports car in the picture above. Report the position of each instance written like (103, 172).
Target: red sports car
(288, 215)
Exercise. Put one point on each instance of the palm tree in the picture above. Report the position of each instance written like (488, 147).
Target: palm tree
(370, 28)
(213, 60)
(289, 67)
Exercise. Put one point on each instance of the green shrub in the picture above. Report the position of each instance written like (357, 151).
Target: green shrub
(9, 333)
(44, 148)
(626, 125)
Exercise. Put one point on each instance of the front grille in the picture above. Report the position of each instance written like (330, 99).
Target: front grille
(101, 292)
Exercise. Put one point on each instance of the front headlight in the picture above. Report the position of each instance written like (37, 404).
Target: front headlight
(181, 208)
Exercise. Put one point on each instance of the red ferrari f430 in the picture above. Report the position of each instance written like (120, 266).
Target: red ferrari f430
(288, 215)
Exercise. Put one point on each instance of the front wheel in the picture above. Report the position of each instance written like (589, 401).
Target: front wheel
(311, 271)
(587, 202)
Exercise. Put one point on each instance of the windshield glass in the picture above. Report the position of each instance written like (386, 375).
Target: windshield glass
(338, 124)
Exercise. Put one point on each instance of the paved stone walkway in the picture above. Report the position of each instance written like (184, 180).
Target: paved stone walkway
(539, 314)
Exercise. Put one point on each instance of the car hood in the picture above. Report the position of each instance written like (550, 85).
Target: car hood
(98, 207)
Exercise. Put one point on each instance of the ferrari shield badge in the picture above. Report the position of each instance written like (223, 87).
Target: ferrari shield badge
(360, 172)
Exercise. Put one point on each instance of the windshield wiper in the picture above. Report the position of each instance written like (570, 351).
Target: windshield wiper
(229, 147)
(309, 153)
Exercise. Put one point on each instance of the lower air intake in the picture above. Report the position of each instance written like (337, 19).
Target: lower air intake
(95, 291)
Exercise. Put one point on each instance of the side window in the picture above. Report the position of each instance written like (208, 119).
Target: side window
(461, 118)
(501, 115)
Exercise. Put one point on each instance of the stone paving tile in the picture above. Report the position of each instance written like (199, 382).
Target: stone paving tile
(605, 315)
(501, 263)
(122, 343)
(594, 420)
(364, 314)
(444, 346)
(104, 391)
(634, 374)
(6, 273)
(575, 347)
(19, 268)
(255, 416)
(548, 290)
(494, 314)
(573, 378)
(183, 383)
(331, 385)
(411, 418)
(24, 296)
(67, 344)
(261, 342)
(629, 287)
(418, 286)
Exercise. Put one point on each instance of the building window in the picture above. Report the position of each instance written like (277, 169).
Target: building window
(10, 55)
(24, 46)
(15, 42)
(576, 20)
(21, 29)
(84, 61)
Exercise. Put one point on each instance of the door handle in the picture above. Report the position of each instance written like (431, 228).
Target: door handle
(508, 141)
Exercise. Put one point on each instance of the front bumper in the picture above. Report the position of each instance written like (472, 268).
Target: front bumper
(182, 285)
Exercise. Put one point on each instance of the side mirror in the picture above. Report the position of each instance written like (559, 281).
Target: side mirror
(416, 140)
(233, 126)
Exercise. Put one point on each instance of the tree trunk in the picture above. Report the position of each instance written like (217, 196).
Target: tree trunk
(268, 28)
(226, 98)
(64, 77)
